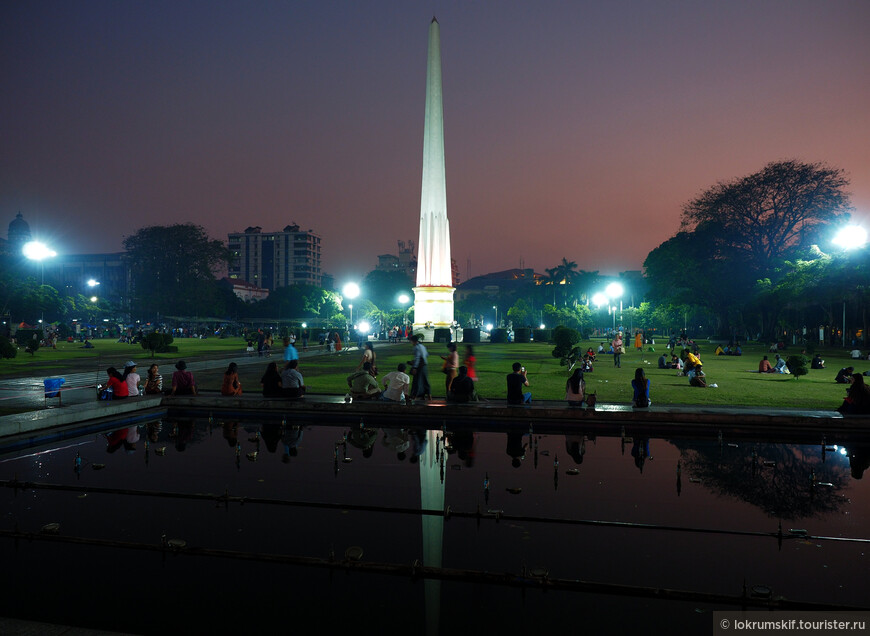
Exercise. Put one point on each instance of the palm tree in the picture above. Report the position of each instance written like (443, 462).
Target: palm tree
(565, 273)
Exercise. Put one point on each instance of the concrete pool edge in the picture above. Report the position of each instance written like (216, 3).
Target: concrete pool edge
(541, 415)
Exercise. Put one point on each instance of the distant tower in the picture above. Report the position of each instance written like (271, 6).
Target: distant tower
(433, 295)
(19, 233)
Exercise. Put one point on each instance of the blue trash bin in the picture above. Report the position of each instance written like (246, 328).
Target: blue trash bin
(52, 387)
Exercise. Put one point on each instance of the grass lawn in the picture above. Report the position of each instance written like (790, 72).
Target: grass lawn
(737, 385)
(108, 353)
(327, 373)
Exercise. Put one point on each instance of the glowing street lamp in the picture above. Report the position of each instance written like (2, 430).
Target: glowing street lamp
(496, 314)
(351, 291)
(37, 251)
(850, 237)
(404, 299)
(599, 299)
(93, 299)
(93, 283)
(614, 291)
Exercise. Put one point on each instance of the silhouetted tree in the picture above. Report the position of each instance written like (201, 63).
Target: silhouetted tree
(173, 269)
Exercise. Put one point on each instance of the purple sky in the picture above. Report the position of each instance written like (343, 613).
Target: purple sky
(573, 129)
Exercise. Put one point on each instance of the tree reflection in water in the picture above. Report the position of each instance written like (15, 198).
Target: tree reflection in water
(784, 480)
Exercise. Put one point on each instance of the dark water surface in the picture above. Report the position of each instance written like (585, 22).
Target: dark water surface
(734, 486)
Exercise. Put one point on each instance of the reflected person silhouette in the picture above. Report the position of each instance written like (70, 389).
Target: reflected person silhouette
(396, 440)
(291, 438)
(640, 452)
(575, 445)
(271, 436)
(859, 460)
(516, 448)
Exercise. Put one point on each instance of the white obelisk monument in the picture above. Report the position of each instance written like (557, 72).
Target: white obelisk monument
(433, 295)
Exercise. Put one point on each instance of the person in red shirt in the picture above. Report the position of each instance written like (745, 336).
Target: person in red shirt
(117, 384)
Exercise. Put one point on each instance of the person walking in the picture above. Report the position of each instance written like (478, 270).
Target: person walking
(618, 349)
(420, 370)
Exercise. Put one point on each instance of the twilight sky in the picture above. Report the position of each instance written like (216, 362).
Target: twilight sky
(573, 128)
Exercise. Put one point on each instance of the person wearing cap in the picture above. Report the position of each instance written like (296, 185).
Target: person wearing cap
(131, 378)
(182, 380)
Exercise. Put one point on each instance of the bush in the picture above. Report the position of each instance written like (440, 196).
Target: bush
(7, 349)
(542, 335)
(522, 334)
(158, 342)
(29, 339)
(566, 349)
(442, 334)
(471, 335)
(798, 365)
(499, 335)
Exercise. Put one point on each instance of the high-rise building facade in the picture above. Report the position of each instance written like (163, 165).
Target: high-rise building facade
(275, 259)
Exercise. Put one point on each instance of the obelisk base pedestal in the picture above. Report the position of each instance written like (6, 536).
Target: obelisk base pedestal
(433, 309)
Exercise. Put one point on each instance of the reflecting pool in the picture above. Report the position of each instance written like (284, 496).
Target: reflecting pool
(209, 526)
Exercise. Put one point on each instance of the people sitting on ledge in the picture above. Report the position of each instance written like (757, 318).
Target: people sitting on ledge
(844, 375)
(462, 388)
(817, 362)
(396, 384)
(362, 385)
(857, 400)
(292, 383)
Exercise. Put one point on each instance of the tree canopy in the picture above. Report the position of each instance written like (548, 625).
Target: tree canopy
(173, 269)
(761, 216)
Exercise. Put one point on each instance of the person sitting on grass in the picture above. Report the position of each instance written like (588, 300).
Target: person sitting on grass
(697, 377)
(817, 362)
(780, 366)
(691, 360)
(765, 367)
(362, 385)
(844, 375)
(663, 362)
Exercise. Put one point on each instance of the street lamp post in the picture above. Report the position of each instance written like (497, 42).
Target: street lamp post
(404, 299)
(614, 291)
(496, 315)
(848, 238)
(37, 251)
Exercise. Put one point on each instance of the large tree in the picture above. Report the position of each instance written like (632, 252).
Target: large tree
(761, 217)
(383, 288)
(173, 269)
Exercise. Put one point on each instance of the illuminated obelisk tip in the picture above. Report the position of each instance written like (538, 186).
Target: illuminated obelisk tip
(433, 304)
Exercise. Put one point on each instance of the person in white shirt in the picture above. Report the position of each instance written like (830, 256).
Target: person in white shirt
(396, 385)
(131, 378)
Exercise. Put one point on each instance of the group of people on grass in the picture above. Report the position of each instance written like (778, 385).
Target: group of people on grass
(410, 380)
